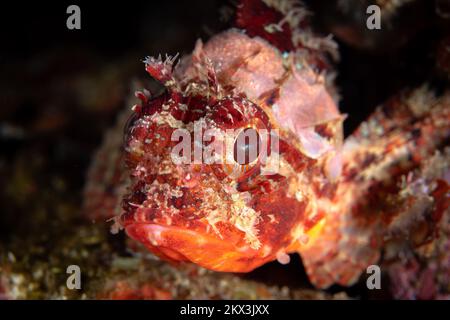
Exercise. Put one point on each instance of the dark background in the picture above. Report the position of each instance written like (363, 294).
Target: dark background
(34, 34)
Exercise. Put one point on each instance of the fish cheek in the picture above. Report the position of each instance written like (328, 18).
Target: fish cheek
(279, 213)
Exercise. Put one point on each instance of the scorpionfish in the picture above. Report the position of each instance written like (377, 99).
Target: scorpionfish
(324, 201)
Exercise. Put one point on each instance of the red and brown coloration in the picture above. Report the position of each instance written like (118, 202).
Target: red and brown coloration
(325, 202)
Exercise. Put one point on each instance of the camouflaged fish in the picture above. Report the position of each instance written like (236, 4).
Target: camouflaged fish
(329, 199)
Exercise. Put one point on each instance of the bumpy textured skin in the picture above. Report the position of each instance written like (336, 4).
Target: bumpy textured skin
(327, 201)
(198, 213)
(369, 207)
(423, 272)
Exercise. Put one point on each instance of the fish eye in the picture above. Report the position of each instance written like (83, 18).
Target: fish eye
(247, 146)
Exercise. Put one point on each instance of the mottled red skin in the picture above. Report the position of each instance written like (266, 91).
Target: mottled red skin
(424, 271)
(243, 73)
(239, 82)
(177, 244)
(328, 200)
(254, 14)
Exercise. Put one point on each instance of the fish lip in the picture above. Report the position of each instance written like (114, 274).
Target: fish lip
(140, 231)
(153, 233)
(148, 225)
(181, 245)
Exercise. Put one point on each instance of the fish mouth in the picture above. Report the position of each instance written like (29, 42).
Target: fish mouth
(178, 244)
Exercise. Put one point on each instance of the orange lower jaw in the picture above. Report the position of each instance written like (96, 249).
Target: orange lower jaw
(177, 244)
